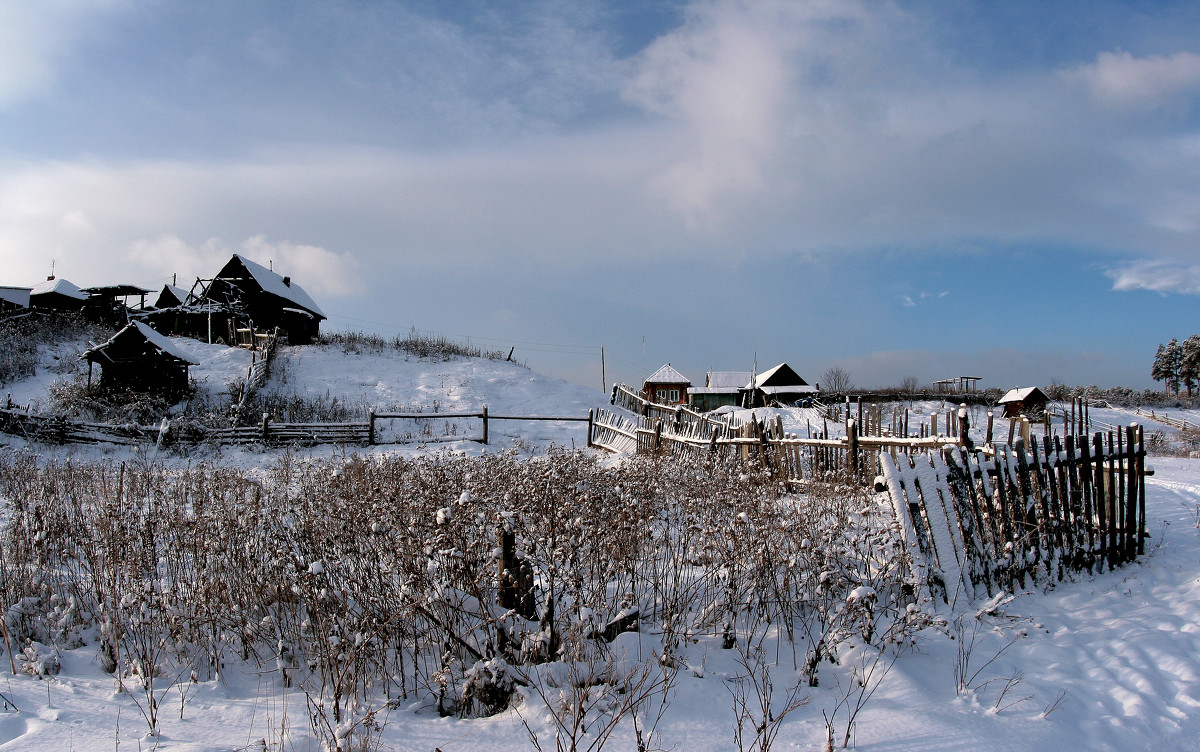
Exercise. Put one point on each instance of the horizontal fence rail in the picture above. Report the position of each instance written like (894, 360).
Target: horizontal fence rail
(57, 430)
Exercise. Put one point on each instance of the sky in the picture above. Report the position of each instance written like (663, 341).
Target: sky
(898, 189)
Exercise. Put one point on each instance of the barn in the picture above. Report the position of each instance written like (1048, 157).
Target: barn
(142, 360)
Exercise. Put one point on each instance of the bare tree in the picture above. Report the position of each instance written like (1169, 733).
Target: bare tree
(910, 384)
(836, 379)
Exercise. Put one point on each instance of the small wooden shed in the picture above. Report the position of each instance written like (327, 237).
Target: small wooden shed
(142, 360)
(1028, 400)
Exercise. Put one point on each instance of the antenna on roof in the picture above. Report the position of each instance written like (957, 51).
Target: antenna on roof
(51, 271)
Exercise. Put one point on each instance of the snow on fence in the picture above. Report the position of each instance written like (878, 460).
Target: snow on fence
(982, 522)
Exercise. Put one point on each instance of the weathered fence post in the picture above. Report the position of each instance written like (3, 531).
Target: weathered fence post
(484, 415)
(591, 424)
(852, 445)
(370, 426)
(964, 427)
(265, 422)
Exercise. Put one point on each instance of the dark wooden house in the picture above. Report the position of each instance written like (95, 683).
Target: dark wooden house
(779, 385)
(264, 300)
(58, 296)
(666, 386)
(1030, 401)
(142, 360)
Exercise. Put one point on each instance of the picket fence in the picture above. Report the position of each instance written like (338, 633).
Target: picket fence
(981, 522)
(976, 520)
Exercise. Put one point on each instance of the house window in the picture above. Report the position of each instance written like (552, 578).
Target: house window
(667, 395)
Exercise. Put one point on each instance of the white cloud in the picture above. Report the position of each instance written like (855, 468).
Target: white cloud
(1120, 80)
(34, 36)
(1157, 276)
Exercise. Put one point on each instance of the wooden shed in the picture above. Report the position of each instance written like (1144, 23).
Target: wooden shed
(666, 386)
(142, 360)
(1029, 401)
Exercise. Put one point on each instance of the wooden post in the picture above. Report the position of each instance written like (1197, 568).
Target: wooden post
(991, 420)
(265, 422)
(591, 423)
(852, 445)
(964, 427)
(657, 435)
(933, 424)
(484, 415)
(370, 426)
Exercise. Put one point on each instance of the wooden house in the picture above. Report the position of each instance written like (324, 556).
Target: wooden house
(779, 385)
(13, 300)
(58, 296)
(1030, 401)
(259, 297)
(666, 386)
(721, 388)
(142, 360)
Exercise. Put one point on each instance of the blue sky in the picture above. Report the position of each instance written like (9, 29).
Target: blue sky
(1005, 190)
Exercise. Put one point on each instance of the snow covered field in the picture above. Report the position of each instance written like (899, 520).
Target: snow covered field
(1110, 662)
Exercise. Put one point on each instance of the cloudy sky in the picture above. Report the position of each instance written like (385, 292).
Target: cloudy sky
(1008, 190)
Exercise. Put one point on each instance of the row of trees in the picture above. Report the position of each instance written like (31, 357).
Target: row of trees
(1177, 364)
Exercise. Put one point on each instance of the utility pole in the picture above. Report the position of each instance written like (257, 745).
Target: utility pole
(603, 377)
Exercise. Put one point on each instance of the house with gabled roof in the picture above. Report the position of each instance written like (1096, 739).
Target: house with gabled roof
(140, 359)
(666, 386)
(58, 295)
(266, 299)
(778, 385)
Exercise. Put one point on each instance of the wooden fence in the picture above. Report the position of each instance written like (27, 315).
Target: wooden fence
(54, 430)
(980, 522)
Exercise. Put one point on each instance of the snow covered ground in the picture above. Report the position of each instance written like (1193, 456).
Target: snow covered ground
(1107, 662)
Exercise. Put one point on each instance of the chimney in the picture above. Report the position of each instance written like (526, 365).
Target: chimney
(287, 281)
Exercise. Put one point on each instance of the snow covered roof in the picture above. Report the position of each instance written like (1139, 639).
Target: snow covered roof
(15, 295)
(160, 341)
(782, 372)
(728, 379)
(178, 293)
(60, 286)
(789, 389)
(273, 283)
(667, 375)
(1021, 395)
